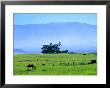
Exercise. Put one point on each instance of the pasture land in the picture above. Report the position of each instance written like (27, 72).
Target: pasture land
(55, 64)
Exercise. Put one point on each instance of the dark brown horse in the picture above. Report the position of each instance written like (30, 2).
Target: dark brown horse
(30, 66)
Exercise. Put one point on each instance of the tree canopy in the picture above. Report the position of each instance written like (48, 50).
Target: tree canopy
(52, 48)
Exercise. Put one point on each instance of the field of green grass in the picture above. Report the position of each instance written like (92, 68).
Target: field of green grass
(55, 64)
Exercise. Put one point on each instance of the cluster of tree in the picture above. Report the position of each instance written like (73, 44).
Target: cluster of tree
(53, 48)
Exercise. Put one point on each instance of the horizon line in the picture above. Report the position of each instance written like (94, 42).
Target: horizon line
(53, 23)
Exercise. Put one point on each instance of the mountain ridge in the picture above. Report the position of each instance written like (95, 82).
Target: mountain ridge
(79, 34)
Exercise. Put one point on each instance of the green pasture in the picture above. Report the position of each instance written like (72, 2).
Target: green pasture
(55, 64)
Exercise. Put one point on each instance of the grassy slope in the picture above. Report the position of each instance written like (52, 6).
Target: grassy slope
(64, 64)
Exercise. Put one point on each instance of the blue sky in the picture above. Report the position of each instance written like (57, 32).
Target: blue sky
(74, 31)
(39, 18)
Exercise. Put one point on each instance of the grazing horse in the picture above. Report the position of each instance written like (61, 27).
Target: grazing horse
(30, 66)
(92, 62)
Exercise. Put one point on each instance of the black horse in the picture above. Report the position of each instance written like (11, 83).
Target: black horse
(92, 62)
(30, 66)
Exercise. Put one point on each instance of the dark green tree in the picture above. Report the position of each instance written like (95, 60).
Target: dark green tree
(51, 48)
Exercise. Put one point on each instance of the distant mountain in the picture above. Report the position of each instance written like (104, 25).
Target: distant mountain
(85, 50)
(72, 35)
(54, 28)
(19, 51)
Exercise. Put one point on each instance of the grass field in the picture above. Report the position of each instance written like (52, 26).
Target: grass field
(55, 64)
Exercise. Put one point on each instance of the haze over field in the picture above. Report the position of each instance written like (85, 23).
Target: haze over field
(75, 35)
